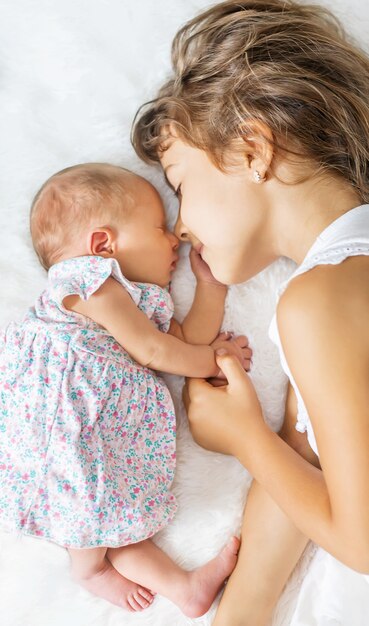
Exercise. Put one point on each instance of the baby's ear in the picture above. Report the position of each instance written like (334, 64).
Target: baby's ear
(101, 242)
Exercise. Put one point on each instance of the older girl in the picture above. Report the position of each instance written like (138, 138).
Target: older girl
(263, 133)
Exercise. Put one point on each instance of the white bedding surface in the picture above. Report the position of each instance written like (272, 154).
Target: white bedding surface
(72, 75)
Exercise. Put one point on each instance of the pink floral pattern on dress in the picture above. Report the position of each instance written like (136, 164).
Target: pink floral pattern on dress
(87, 435)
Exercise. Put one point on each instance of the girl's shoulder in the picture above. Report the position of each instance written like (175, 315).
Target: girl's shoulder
(330, 299)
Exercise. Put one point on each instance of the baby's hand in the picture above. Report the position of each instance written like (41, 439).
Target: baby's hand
(202, 270)
(239, 346)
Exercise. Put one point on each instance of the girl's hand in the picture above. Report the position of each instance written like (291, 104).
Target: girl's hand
(237, 346)
(224, 419)
(202, 270)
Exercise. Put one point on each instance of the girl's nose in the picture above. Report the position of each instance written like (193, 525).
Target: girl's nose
(180, 230)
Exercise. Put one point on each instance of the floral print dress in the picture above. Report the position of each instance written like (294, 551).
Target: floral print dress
(87, 435)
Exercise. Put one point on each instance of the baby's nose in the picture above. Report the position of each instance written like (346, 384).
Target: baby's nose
(175, 241)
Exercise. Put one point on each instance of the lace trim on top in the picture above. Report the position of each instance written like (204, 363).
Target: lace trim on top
(331, 256)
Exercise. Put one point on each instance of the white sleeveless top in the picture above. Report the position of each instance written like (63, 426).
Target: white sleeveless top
(345, 237)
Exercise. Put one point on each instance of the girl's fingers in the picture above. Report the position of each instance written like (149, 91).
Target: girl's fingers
(232, 369)
(195, 387)
(218, 382)
(220, 376)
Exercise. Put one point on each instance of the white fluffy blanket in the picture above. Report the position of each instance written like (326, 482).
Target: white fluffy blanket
(72, 74)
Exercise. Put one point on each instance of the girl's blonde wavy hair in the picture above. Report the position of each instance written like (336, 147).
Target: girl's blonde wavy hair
(286, 64)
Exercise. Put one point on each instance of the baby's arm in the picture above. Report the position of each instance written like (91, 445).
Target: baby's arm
(204, 319)
(112, 308)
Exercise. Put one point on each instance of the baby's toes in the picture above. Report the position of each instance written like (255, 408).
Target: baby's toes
(147, 595)
(135, 601)
(143, 602)
(126, 605)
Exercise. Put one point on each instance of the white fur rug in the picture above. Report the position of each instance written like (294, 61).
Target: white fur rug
(72, 74)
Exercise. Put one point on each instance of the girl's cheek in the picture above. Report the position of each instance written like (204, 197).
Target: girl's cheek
(188, 218)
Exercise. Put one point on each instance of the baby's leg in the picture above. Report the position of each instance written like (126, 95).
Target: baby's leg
(94, 572)
(193, 592)
(271, 546)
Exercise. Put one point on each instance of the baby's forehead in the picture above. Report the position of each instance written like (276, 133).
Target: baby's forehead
(139, 183)
(146, 200)
(141, 188)
(133, 192)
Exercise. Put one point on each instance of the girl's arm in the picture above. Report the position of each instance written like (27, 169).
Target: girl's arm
(204, 319)
(271, 545)
(326, 343)
(112, 308)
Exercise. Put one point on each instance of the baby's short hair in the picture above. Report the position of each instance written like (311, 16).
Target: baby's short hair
(73, 198)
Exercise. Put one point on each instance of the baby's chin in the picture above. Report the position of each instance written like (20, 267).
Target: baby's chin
(164, 283)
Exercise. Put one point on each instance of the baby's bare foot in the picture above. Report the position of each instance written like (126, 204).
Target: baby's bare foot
(205, 582)
(110, 585)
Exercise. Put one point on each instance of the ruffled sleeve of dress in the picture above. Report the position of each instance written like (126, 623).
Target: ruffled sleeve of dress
(84, 275)
(157, 304)
(80, 276)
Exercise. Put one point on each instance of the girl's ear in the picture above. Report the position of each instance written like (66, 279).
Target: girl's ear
(258, 143)
(101, 242)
